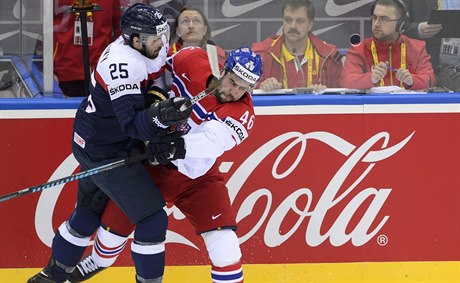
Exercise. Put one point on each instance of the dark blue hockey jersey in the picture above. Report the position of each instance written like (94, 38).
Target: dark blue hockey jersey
(114, 116)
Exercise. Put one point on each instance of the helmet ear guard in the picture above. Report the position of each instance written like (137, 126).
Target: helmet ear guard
(244, 63)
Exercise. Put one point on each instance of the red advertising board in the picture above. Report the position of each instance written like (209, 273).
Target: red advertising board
(306, 188)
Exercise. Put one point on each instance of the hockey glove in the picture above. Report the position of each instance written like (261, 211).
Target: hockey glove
(165, 147)
(155, 94)
(166, 113)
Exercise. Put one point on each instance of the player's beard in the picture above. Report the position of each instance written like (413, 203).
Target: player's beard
(152, 55)
(220, 96)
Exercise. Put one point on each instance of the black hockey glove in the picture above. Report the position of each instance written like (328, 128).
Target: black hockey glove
(155, 94)
(166, 113)
(165, 147)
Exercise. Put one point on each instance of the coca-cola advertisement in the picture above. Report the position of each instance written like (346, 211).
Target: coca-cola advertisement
(309, 187)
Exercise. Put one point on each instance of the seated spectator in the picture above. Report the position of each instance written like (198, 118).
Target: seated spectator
(297, 58)
(191, 28)
(388, 58)
(103, 27)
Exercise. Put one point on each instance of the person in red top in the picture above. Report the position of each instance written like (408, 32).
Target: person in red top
(297, 58)
(103, 28)
(388, 58)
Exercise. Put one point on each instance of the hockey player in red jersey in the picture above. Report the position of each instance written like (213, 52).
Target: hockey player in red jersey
(218, 123)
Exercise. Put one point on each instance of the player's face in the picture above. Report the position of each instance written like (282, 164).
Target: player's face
(191, 28)
(232, 88)
(296, 24)
(384, 22)
(153, 45)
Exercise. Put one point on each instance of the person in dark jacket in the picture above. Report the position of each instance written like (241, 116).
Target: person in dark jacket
(419, 11)
(446, 69)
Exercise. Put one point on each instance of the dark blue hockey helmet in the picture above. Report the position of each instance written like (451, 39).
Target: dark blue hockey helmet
(245, 63)
(143, 20)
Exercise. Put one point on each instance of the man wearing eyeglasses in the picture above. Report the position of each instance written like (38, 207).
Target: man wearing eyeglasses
(388, 57)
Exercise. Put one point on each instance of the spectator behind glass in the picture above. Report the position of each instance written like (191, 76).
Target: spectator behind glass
(191, 28)
(419, 11)
(103, 28)
(297, 58)
(419, 28)
(388, 58)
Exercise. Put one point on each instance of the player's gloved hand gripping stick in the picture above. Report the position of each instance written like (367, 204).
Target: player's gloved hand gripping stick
(164, 150)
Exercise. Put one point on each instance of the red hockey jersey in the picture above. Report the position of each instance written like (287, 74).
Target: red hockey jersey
(213, 127)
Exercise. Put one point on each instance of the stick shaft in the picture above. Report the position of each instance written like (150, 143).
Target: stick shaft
(81, 175)
(211, 50)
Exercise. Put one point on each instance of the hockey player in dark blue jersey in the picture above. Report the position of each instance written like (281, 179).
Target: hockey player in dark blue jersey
(112, 124)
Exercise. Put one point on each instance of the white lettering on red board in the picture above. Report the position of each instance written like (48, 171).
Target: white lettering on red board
(364, 230)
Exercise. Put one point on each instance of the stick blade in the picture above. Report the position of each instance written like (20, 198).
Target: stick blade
(211, 49)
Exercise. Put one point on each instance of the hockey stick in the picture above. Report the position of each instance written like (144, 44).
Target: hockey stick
(81, 175)
(211, 50)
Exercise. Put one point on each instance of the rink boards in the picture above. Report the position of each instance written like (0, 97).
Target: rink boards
(325, 190)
